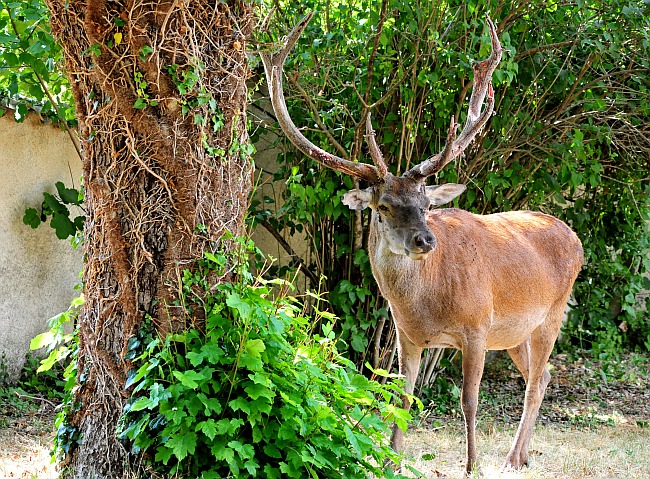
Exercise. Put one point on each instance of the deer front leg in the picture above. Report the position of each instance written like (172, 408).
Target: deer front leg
(473, 362)
(409, 364)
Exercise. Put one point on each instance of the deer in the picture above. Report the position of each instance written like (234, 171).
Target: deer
(455, 279)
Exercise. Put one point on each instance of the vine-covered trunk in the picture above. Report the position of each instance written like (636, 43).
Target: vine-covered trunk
(160, 94)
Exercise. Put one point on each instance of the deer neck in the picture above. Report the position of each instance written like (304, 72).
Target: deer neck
(396, 272)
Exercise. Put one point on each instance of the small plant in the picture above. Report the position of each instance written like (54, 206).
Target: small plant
(26, 396)
(143, 100)
(62, 345)
(255, 392)
(56, 207)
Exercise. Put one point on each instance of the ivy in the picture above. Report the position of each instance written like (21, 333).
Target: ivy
(56, 208)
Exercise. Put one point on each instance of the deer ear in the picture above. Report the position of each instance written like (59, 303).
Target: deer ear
(357, 199)
(443, 194)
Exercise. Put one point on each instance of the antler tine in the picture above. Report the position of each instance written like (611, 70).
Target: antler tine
(476, 119)
(375, 153)
(273, 69)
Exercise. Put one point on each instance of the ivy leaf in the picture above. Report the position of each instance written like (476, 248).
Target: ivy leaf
(240, 404)
(208, 428)
(140, 404)
(164, 454)
(140, 104)
(255, 347)
(32, 218)
(256, 390)
(41, 340)
(62, 225)
(68, 195)
(54, 204)
(189, 378)
(358, 342)
(158, 393)
(79, 222)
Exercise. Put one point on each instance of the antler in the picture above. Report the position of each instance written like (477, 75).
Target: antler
(375, 153)
(273, 68)
(476, 119)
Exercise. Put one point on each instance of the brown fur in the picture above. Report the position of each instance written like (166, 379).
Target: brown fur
(497, 281)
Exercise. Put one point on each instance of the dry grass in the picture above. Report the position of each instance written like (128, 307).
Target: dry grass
(558, 453)
(25, 455)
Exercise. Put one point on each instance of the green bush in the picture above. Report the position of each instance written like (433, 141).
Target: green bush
(255, 392)
(569, 138)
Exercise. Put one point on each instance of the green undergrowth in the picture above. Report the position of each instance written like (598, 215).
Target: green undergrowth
(32, 395)
(260, 390)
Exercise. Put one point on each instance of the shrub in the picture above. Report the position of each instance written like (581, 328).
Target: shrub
(254, 392)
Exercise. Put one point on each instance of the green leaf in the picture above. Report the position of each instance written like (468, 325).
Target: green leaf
(352, 439)
(54, 204)
(255, 391)
(189, 378)
(164, 453)
(68, 195)
(182, 445)
(140, 104)
(79, 222)
(208, 428)
(240, 404)
(140, 404)
(158, 393)
(41, 340)
(32, 218)
(55, 356)
(255, 347)
(62, 225)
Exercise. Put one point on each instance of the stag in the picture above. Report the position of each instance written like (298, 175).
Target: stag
(453, 278)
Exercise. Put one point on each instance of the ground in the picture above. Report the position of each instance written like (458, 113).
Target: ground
(594, 423)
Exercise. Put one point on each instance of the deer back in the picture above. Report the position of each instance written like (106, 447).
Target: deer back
(487, 274)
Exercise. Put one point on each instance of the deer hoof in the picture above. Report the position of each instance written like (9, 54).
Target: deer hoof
(515, 462)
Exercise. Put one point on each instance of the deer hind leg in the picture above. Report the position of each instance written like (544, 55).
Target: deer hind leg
(409, 356)
(531, 357)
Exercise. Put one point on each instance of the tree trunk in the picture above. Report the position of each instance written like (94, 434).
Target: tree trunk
(160, 94)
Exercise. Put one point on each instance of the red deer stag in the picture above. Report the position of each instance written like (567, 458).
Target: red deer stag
(453, 278)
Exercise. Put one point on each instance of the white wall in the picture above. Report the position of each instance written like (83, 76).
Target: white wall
(37, 271)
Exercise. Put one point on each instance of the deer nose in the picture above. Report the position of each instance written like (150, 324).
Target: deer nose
(424, 241)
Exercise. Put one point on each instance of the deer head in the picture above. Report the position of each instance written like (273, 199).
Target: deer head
(399, 204)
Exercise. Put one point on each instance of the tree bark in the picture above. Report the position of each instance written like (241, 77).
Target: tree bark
(160, 95)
